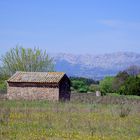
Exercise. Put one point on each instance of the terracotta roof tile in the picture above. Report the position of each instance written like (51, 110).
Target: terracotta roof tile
(37, 77)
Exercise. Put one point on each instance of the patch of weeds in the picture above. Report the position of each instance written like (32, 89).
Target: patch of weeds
(124, 110)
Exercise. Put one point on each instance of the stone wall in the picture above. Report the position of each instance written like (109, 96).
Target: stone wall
(91, 98)
(33, 93)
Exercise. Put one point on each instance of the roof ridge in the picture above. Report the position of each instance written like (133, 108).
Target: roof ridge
(39, 72)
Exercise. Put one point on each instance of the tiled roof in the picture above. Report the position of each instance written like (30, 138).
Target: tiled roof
(37, 77)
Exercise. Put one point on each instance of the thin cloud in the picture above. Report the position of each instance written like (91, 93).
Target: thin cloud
(118, 24)
(110, 23)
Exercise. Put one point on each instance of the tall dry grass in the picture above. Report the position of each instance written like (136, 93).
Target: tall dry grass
(43, 120)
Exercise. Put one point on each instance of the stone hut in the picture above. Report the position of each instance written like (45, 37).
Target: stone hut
(39, 86)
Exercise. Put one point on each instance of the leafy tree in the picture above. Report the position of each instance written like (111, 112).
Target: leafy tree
(133, 70)
(83, 89)
(94, 88)
(106, 85)
(3, 86)
(119, 80)
(87, 81)
(83, 85)
(131, 86)
(79, 86)
(21, 59)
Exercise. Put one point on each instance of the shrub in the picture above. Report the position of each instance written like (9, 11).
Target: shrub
(82, 85)
(131, 86)
(83, 90)
(77, 84)
(94, 88)
(124, 110)
(106, 85)
(3, 87)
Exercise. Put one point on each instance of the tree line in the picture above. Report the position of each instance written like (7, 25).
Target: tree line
(126, 82)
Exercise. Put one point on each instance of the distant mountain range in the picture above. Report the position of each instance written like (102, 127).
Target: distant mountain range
(95, 66)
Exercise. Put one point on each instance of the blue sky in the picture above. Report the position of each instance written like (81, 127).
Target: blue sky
(71, 26)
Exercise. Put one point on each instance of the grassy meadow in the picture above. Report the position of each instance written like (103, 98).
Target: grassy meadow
(43, 120)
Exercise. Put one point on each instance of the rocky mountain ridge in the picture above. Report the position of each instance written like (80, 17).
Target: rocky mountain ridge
(95, 66)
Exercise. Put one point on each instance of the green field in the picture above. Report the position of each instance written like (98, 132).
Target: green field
(42, 120)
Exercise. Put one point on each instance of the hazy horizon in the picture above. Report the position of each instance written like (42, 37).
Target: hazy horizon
(3, 51)
(76, 27)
